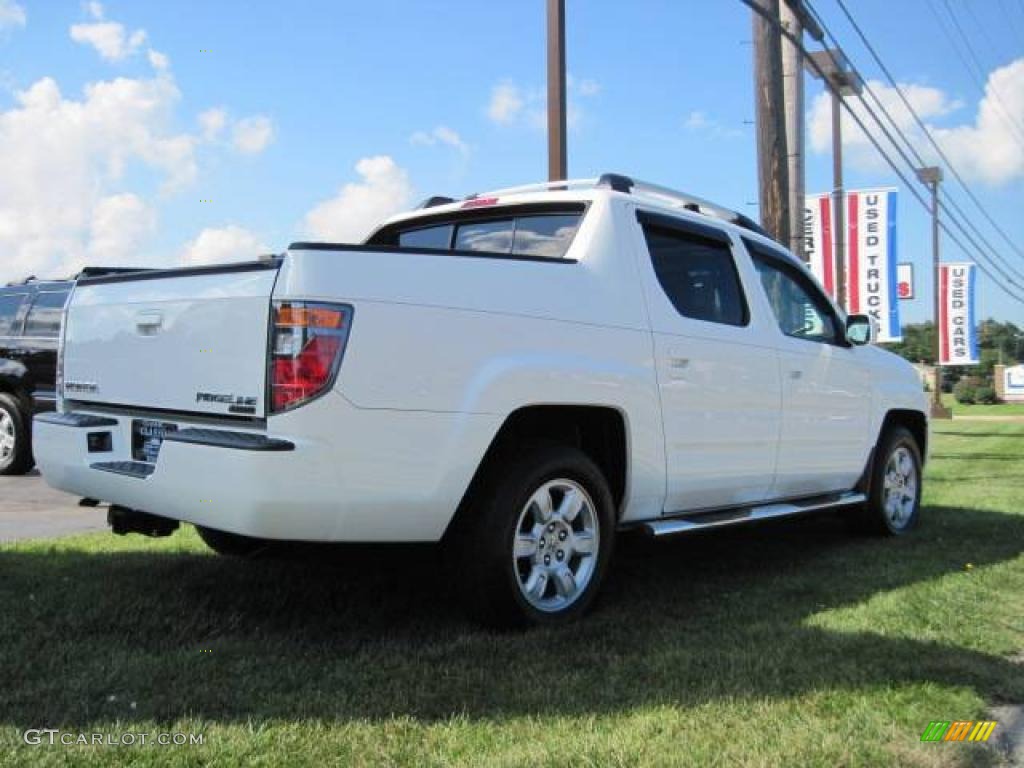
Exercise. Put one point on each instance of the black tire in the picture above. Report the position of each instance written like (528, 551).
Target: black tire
(17, 460)
(872, 517)
(488, 573)
(231, 544)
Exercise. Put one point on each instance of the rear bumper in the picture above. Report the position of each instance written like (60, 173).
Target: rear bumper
(350, 477)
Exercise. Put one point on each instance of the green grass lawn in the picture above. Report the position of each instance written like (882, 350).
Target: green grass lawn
(790, 644)
(1000, 409)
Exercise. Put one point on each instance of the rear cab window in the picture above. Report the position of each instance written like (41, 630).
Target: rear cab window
(532, 232)
(10, 317)
(43, 319)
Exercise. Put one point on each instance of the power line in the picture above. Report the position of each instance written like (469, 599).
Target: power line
(1009, 18)
(974, 69)
(981, 69)
(984, 32)
(927, 133)
(860, 123)
(918, 158)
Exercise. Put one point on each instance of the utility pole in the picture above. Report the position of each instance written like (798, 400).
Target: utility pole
(795, 20)
(793, 95)
(558, 166)
(932, 176)
(841, 81)
(772, 155)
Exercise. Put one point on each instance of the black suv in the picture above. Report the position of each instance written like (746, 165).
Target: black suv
(30, 315)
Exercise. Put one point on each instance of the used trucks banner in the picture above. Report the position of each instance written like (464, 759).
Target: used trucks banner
(958, 340)
(870, 248)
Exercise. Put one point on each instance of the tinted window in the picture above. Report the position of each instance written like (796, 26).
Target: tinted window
(490, 236)
(531, 233)
(9, 303)
(698, 275)
(798, 307)
(44, 317)
(427, 237)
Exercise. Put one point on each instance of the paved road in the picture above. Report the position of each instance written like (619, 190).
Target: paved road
(30, 509)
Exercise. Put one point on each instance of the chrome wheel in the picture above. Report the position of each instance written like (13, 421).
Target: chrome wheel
(7, 439)
(556, 545)
(899, 496)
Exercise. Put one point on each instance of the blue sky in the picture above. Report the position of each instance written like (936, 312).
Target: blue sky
(156, 133)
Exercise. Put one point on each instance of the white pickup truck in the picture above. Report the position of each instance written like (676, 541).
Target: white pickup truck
(519, 375)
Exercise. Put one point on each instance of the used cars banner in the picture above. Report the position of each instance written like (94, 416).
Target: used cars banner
(958, 341)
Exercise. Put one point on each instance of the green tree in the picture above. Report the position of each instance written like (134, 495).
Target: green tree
(997, 343)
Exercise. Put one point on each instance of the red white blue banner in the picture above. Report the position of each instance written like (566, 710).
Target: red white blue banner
(871, 259)
(870, 248)
(819, 240)
(958, 339)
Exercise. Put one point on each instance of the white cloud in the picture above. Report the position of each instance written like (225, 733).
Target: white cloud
(506, 103)
(215, 245)
(212, 122)
(11, 15)
(511, 104)
(987, 149)
(120, 224)
(63, 161)
(109, 38)
(360, 206)
(157, 60)
(696, 120)
(252, 135)
(700, 122)
(442, 134)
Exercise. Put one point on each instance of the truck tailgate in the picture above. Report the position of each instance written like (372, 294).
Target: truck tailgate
(192, 340)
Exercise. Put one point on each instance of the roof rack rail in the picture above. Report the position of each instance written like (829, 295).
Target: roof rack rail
(26, 281)
(620, 183)
(435, 200)
(627, 185)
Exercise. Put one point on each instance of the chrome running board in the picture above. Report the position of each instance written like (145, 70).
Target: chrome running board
(703, 521)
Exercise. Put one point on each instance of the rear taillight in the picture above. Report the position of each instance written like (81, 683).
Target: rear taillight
(306, 346)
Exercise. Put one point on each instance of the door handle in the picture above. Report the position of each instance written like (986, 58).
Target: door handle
(148, 323)
(677, 367)
(796, 375)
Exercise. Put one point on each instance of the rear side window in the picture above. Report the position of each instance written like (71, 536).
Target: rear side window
(698, 275)
(486, 236)
(44, 317)
(9, 305)
(534, 234)
(427, 237)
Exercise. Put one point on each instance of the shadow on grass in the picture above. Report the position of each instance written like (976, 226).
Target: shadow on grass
(339, 633)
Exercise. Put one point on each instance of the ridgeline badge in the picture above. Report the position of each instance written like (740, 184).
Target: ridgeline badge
(235, 403)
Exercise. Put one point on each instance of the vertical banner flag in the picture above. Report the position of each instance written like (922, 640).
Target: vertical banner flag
(871, 259)
(872, 287)
(819, 244)
(958, 341)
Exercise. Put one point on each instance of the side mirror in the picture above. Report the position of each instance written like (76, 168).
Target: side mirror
(860, 330)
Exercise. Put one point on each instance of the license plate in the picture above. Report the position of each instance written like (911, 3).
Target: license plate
(147, 437)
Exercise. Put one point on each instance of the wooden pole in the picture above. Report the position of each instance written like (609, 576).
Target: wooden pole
(793, 93)
(558, 166)
(772, 155)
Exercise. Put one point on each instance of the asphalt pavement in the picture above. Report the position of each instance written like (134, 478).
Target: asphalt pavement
(30, 509)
